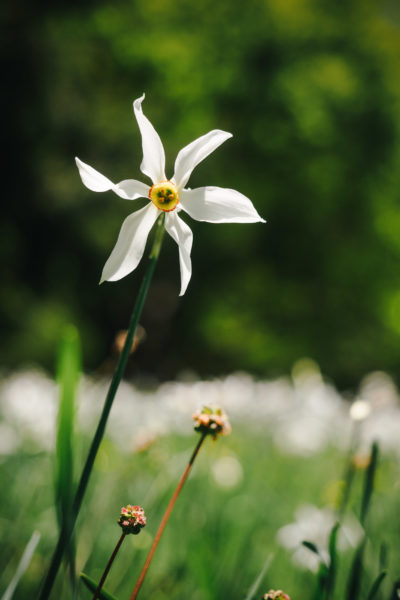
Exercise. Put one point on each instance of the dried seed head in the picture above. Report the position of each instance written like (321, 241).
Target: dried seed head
(120, 338)
(212, 420)
(132, 519)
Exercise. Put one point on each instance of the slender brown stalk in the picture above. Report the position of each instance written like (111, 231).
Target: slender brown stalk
(108, 567)
(166, 516)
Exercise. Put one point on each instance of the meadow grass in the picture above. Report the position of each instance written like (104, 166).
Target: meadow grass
(222, 529)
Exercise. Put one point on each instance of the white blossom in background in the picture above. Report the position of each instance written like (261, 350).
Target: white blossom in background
(168, 197)
(379, 390)
(315, 525)
(9, 439)
(302, 416)
(377, 412)
(28, 405)
(317, 415)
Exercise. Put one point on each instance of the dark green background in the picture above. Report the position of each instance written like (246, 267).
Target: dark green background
(310, 90)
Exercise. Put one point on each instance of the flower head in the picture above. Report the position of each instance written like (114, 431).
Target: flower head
(132, 519)
(212, 420)
(168, 197)
(275, 595)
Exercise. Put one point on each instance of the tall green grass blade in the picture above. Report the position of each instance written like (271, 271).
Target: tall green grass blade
(332, 570)
(259, 578)
(348, 478)
(347, 487)
(322, 577)
(354, 582)
(323, 571)
(383, 557)
(395, 595)
(68, 374)
(376, 585)
(369, 483)
(92, 586)
(22, 566)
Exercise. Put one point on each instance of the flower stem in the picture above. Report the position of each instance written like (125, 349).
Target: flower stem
(348, 476)
(67, 529)
(165, 518)
(108, 567)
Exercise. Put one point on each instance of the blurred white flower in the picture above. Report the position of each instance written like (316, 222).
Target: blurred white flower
(315, 525)
(379, 390)
(28, 402)
(316, 414)
(9, 439)
(378, 409)
(301, 419)
(212, 204)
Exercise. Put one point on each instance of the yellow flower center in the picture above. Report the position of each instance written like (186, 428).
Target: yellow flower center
(164, 195)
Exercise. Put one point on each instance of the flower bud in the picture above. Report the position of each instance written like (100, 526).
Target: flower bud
(275, 595)
(212, 420)
(120, 338)
(132, 519)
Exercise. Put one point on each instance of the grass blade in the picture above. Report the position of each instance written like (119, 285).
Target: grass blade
(369, 483)
(331, 577)
(259, 578)
(396, 591)
(22, 566)
(354, 583)
(68, 373)
(323, 571)
(383, 557)
(322, 577)
(92, 586)
(376, 585)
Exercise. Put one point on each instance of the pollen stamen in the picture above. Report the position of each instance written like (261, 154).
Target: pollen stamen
(164, 195)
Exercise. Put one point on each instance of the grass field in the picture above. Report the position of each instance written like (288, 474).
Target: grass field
(251, 499)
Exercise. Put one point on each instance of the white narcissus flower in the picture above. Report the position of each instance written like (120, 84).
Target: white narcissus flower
(212, 204)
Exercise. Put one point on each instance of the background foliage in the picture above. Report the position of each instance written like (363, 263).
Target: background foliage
(311, 92)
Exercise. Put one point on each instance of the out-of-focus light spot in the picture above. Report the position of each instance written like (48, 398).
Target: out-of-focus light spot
(360, 410)
(306, 369)
(227, 471)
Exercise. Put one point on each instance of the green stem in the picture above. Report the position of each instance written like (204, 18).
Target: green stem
(66, 530)
(348, 477)
(108, 567)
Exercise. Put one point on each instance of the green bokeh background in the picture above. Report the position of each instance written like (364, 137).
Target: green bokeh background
(311, 92)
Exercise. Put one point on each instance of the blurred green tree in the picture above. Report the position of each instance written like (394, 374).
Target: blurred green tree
(311, 92)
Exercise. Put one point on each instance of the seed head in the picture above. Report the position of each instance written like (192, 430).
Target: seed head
(275, 595)
(212, 420)
(132, 519)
